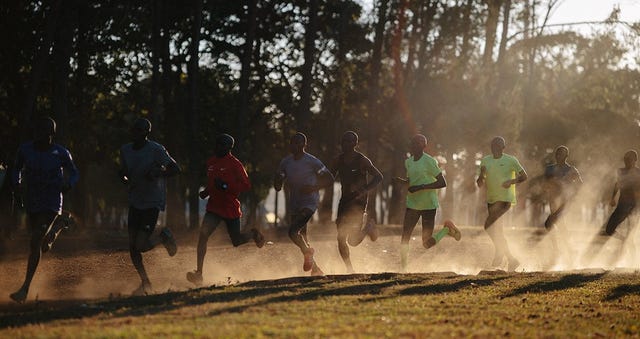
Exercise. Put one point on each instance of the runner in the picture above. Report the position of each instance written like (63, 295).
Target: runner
(561, 183)
(305, 175)
(354, 168)
(424, 176)
(145, 165)
(501, 172)
(627, 188)
(40, 170)
(226, 179)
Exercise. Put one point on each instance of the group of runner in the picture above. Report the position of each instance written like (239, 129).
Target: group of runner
(48, 171)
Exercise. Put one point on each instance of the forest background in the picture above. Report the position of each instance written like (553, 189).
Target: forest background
(458, 71)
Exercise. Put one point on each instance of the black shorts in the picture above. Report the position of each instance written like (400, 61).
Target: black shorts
(143, 219)
(351, 212)
(41, 222)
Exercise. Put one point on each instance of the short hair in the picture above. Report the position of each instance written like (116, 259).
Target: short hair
(301, 136)
(420, 137)
(631, 153)
(142, 124)
(46, 125)
(226, 140)
(500, 139)
(354, 134)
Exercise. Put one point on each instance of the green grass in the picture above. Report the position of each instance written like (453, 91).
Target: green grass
(381, 305)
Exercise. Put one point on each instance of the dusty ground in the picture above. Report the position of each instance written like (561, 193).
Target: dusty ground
(87, 265)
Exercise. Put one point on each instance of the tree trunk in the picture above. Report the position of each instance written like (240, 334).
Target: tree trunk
(175, 215)
(193, 132)
(85, 152)
(465, 49)
(303, 119)
(62, 55)
(156, 51)
(506, 13)
(493, 7)
(374, 96)
(245, 72)
(39, 66)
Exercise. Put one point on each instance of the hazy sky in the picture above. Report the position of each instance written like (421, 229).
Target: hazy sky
(594, 10)
(582, 10)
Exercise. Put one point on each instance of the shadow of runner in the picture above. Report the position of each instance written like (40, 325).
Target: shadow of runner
(452, 287)
(365, 289)
(297, 288)
(622, 291)
(566, 282)
(131, 306)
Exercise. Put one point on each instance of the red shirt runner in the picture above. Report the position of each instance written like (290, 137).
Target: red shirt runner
(229, 169)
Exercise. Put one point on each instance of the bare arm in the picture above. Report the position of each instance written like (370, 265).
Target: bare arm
(375, 172)
(439, 183)
(521, 177)
(278, 180)
(483, 174)
(616, 189)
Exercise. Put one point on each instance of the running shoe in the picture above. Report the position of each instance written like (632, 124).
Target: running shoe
(308, 259)
(195, 277)
(168, 241)
(61, 223)
(453, 230)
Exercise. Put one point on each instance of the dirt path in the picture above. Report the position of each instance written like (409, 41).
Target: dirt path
(82, 267)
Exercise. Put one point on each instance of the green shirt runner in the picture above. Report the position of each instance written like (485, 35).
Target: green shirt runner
(422, 172)
(498, 171)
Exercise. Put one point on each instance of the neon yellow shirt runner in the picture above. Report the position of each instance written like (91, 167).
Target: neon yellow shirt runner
(498, 171)
(421, 172)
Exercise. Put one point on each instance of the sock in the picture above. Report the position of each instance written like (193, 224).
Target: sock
(441, 234)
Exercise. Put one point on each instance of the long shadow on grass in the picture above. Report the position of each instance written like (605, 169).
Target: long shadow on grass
(621, 291)
(564, 283)
(294, 289)
(452, 287)
(363, 289)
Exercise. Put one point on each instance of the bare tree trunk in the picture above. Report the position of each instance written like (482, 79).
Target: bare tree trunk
(374, 96)
(62, 55)
(493, 7)
(156, 51)
(506, 13)
(39, 65)
(245, 73)
(304, 111)
(193, 132)
(404, 112)
(465, 49)
(175, 215)
(82, 193)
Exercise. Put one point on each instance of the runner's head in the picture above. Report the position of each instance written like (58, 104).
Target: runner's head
(140, 130)
(418, 144)
(497, 145)
(349, 141)
(224, 144)
(44, 130)
(561, 154)
(630, 158)
(298, 143)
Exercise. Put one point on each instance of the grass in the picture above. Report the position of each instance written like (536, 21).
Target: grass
(572, 304)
